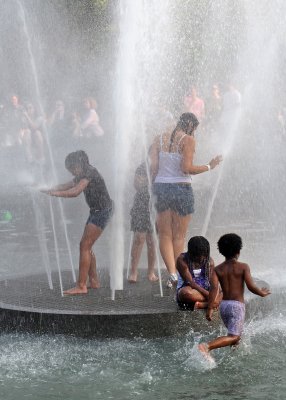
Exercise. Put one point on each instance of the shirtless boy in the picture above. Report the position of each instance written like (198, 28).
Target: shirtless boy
(231, 275)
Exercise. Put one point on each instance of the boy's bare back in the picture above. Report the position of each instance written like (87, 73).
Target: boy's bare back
(232, 275)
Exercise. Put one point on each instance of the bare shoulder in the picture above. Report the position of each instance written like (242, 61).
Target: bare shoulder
(181, 261)
(181, 258)
(219, 267)
(188, 143)
(243, 266)
(188, 140)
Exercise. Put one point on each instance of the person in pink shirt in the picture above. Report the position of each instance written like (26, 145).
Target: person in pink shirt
(195, 105)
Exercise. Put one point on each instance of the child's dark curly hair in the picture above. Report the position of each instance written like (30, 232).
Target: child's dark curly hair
(229, 245)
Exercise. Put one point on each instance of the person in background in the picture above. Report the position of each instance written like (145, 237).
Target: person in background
(232, 276)
(87, 179)
(58, 117)
(16, 125)
(195, 268)
(90, 125)
(195, 105)
(141, 226)
(59, 127)
(35, 126)
(231, 105)
(172, 163)
(213, 109)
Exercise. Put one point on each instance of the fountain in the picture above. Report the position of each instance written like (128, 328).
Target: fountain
(151, 71)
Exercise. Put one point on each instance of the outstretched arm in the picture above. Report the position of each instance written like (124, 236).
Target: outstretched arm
(62, 186)
(70, 191)
(251, 285)
(187, 164)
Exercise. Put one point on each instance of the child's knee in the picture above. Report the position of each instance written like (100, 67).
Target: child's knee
(85, 245)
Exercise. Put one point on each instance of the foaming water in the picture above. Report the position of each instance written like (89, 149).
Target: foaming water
(166, 368)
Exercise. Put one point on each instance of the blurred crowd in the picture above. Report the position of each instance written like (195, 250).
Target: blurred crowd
(65, 128)
(24, 126)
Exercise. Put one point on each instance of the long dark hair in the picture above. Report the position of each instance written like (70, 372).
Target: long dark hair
(199, 246)
(183, 125)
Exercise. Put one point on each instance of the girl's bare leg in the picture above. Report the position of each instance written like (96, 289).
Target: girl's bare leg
(92, 274)
(189, 295)
(137, 245)
(90, 235)
(151, 254)
(165, 233)
(180, 226)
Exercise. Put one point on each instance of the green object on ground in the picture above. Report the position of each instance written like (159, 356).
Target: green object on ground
(7, 216)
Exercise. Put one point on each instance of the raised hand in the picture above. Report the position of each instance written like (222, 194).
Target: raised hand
(265, 292)
(215, 161)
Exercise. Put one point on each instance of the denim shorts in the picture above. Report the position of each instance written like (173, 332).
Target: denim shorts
(100, 218)
(177, 197)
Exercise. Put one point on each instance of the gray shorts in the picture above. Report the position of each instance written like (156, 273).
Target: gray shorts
(232, 313)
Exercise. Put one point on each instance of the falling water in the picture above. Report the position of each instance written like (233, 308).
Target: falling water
(137, 80)
(40, 223)
(38, 96)
(244, 144)
(247, 189)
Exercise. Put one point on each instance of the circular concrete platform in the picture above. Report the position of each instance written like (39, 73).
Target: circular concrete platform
(28, 304)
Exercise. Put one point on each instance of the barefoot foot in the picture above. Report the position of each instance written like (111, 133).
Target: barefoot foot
(93, 284)
(132, 278)
(199, 305)
(152, 277)
(76, 290)
(203, 348)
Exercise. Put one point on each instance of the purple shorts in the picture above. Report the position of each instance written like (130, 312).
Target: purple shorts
(232, 313)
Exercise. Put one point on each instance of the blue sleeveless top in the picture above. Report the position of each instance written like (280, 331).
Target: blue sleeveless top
(200, 275)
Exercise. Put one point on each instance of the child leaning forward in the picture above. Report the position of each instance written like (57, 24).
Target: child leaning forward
(195, 269)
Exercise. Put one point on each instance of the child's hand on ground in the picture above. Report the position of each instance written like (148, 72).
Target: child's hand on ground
(209, 314)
